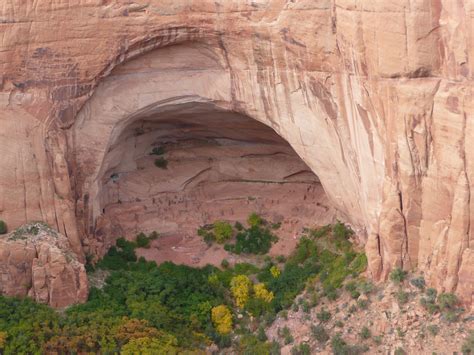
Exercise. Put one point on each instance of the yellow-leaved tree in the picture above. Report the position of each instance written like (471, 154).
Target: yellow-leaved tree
(262, 293)
(166, 344)
(275, 271)
(240, 287)
(222, 319)
(3, 340)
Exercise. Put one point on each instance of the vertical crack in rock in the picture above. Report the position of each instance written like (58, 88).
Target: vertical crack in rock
(404, 246)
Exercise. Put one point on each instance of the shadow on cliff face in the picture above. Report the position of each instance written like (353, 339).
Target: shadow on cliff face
(174, 171)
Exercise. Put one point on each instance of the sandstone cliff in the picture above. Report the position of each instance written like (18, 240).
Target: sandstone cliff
(375, 96)
(36, 261)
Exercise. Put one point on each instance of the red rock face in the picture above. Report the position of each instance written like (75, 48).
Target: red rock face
(37, 261)
(374, 96)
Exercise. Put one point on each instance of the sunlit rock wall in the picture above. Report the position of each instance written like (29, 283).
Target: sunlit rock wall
(375, 96)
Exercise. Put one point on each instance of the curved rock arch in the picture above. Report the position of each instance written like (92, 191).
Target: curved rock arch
(194, 72)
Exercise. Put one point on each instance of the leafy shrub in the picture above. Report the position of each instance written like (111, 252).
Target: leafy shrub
(238, 226)
(431, 293)
(324, 315)
(319, 333)
(452, 315)
(206, 232)
(161, 163)
(365, 333)
(286, 334)
(250, 344)
(255, 240)
(430, 306)
(275, 226)
(398, 275)
(341, 234)
(429, 302)
(225, 263)
(222, 231)
(3, 340)
(355, 294)
(254, 220)
(447, 301)
(222, 319)
(262, 293)
(359, 264)
(399, 351)
(330, 292)
(275, 271)
(340, 347)
(142, 241)
(240, 287)
(144, 345)
(402, 297)
(418, 282)
(400, 332)
(366, 287)
(305, 307)
(118, 257)
(339, 324)
(261, 335)
(3, 227)
(378, 339)
(351, 286)
(301, 349)
(363, 304)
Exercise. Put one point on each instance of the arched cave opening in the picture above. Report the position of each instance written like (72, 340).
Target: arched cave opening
(160, 147)
(195, 164)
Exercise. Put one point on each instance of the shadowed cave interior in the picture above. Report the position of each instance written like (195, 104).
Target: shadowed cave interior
(193, 164)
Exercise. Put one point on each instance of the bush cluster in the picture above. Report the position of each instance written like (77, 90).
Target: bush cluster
(254, 240)
(319, 333)
(219, 231)
(398, 275)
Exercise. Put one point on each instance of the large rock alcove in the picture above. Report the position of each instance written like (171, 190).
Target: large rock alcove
(176, 156)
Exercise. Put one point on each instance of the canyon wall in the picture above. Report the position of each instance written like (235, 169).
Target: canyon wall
(375, 96)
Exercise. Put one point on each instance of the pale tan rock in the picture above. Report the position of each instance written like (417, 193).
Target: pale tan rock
(37, 261)
(375, 96)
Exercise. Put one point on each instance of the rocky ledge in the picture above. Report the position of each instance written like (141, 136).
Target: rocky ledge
(37, 261)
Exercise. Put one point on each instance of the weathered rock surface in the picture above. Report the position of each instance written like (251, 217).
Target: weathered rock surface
(375, 96)
(37, 261)
(391, 324)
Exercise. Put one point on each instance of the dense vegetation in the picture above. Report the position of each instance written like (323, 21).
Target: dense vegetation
(170, 308)
(256, 239)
